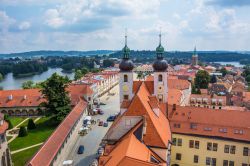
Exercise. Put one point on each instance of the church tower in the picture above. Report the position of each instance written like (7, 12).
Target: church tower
(194, 58)
(160, 74)
(126, 75)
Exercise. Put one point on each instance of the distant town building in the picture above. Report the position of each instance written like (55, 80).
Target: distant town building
(194, 60)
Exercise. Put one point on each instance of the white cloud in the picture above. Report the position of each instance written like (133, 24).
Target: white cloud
(24, 25)
(5, 21)
(53, 18)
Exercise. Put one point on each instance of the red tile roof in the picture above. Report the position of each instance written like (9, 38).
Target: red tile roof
(33, 97)
(20, 98)
(123, 153)
(3, 127)
(209, 118)
(48, 151)
(158, 130)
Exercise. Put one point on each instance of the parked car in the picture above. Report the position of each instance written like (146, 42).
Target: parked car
(101, 103)
(68, 163)
(100, 112)
(111, 118)
(100, 151)
(100, 123)
(80, 149)
(105, 124)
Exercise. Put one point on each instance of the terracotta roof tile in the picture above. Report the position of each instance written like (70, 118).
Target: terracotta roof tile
(123, 153)
(49, 149)
(158, 131)
(209, 118)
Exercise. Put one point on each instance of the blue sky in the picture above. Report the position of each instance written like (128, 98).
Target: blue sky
(27, 25)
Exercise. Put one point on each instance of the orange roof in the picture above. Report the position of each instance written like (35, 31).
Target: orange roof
(33, 97)
(158, 130)
(246, 96)
(174, 96)
(123, 153)
(209, 118)
(20, 98)
(3, 127)
(178, 84)
(47, 152)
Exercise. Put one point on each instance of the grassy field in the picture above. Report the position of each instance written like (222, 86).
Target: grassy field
(38, 135)
(20, 158)
(16, 120)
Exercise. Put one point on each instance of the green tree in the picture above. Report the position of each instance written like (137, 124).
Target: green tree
(57, 102)
(248, 78)
(84, 71)
(78, 75)
(213, 79)
(31, 125)
(22, 132)
(202, 79)
(28, 84)
(223, 71)
(108, 63)
(1, 77)
(95, 70)
(246, 71)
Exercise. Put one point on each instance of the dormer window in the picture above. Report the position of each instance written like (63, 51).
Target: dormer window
(160, 78)
(193, 126)
(223, 130)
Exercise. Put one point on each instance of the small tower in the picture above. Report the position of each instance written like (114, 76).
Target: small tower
(194, 58)
(160, 74)
(126, 75)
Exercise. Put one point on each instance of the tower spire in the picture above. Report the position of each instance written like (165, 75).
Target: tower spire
(126, 36)
(160, 37)
(126, 50)
(195, 50)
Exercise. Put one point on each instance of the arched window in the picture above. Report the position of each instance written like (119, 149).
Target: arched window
(125, 78)
(160, 78)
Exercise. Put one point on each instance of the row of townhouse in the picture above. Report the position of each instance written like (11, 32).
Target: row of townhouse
(202, 136)
(100, 82)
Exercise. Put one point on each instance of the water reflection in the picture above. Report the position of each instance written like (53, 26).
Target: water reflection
(11, 82)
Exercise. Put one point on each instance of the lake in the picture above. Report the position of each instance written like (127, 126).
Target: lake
(10, 82)
(236, 64)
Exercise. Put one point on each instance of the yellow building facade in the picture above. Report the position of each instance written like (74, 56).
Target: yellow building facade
(189, 150)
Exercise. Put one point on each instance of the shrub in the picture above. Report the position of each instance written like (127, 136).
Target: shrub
(31, 124)
(22, 132)
(10, 124)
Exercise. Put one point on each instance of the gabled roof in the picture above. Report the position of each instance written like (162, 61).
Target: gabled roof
(158, 130)
(128, 151)
(209, 118)
(20, 98)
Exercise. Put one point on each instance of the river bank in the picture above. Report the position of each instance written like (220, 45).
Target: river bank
(10, 82)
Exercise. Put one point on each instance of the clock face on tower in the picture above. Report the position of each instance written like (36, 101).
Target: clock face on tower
(160, 89)
(125, 88)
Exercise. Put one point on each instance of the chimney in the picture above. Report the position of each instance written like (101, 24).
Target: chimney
(174, 107)
(173, 111)
(10, 97)
(24, 97)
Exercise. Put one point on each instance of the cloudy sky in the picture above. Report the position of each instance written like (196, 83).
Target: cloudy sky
(99, 24)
